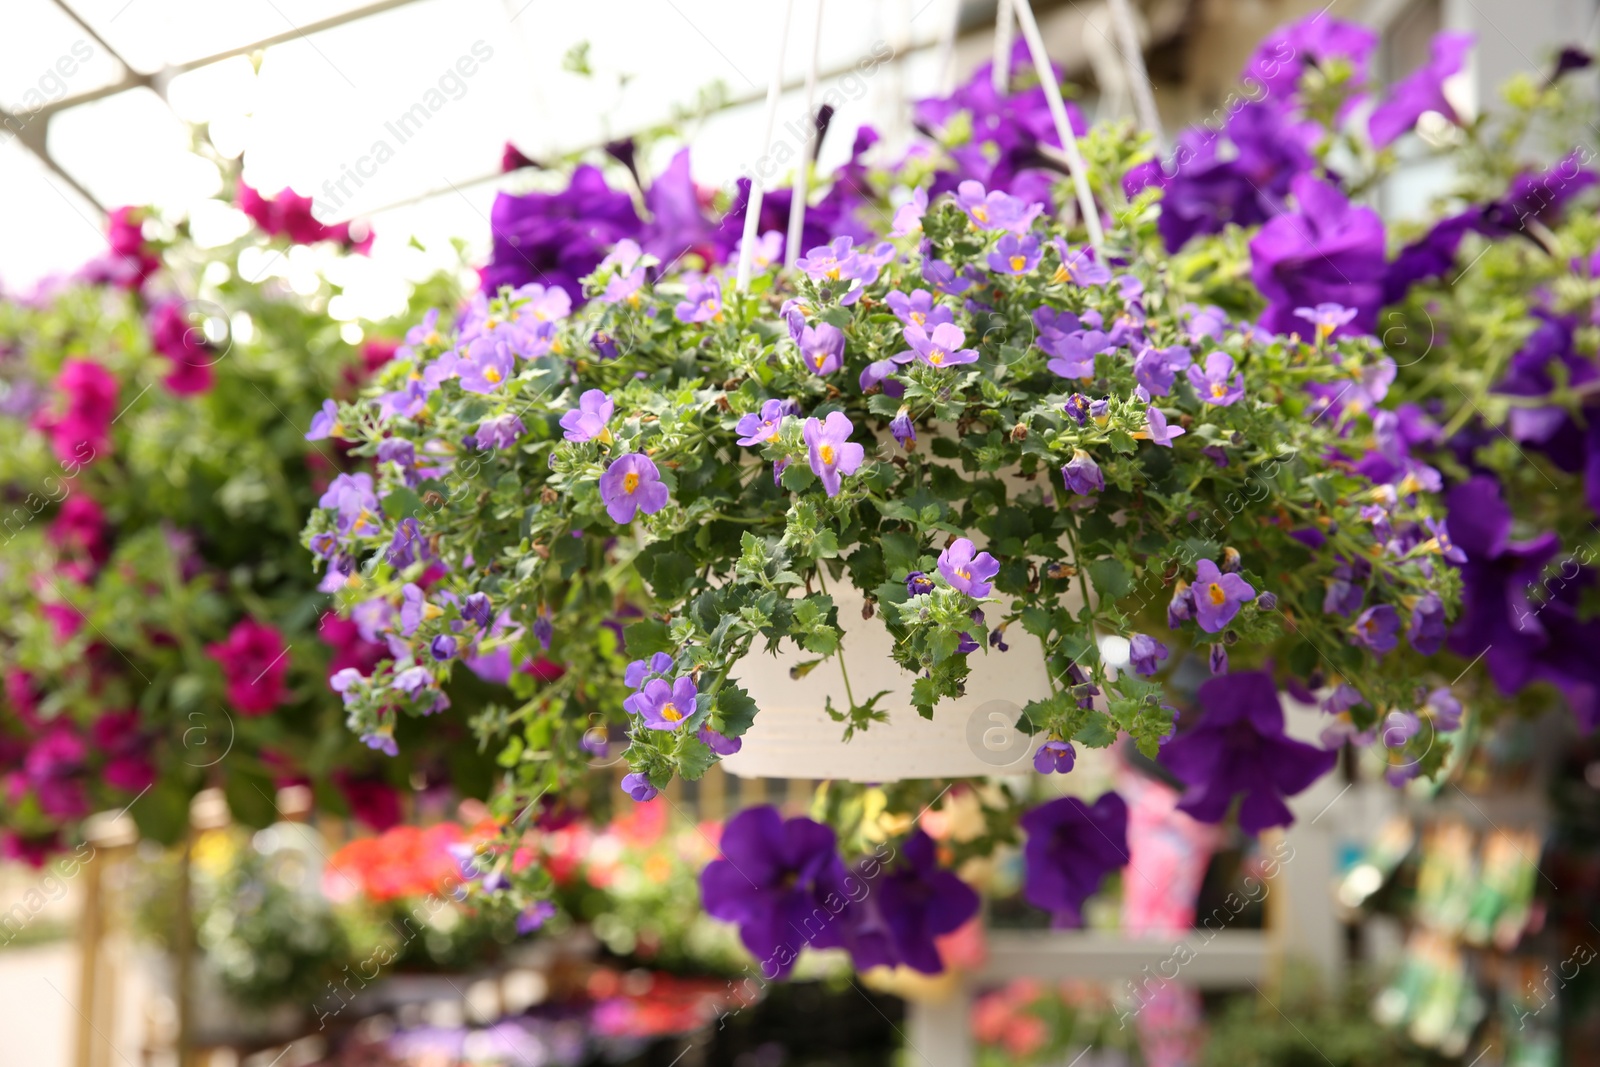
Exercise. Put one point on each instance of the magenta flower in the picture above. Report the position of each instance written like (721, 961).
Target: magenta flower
(996, 210)
(1082, 474)
(942, 349)
(703, 302)
(83, 430)
(1079, 267)
(1157, 431)
(1213, 385)
(1218, 596)
(1071, 847)
(918, 309)
(1327, 318)
(1155, 368)
(632, 484)
(191, 354)
(822, 347)
(254, 661)
(1377, 628)
(1014, 255)
(663, 705)
(487, 365)
(831, 452)
(1421, 91)
(970, 573)
(587, 422)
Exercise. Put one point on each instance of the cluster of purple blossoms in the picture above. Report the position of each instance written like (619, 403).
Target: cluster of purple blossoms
(1071, 342)
(840, 262)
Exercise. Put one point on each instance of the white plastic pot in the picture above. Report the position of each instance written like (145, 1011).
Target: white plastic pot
(972, 736)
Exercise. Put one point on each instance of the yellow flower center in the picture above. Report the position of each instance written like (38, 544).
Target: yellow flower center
(827, 454)
(964, 574)
(491, 375)
(431, 611)
(936, 357)
(1018, 262)
(1062, 274)
(1218, 390)
(432, 338)
(980, 213)
(1216, 594)
(833, 273)
(919, 318)
(820, 359)
(671, 713)
(630, 482)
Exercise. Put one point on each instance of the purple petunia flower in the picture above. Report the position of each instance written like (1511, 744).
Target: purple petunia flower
(918, 309)
(764, 427)
(920, 902)
(1071, 847)
(1155, 368)
(1055, 757)
(941, 349)
(702, 303)
(1239, 746)
(1157, 431)
(1284, 55)
(1213, 385)
(1078, 266)
(1330, 251)
(1218, 596)
(830, 449)
(1082, 474)
(775, 879)
(965, 569)
(1015, 255)
(638, 787)
(996, 210)
(1421, 91)
(1327, 318)
(1377, 628)
(632, 483)
(663, 705)
(822, 348)
(1145, 654)
(501, 431)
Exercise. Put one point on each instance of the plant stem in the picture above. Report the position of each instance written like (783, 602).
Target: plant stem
(848, 695)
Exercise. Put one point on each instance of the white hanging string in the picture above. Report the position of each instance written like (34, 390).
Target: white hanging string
(802, 177)
(1144, 100)
(1058, 114)
(752, 210)
(947, 49)
(1000, 72)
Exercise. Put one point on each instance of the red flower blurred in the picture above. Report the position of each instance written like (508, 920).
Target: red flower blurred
(289, 215)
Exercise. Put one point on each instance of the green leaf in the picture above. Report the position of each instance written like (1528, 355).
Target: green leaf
(694, 757)
(1110, 578)
(644, 639)
(735, 710)
(402, 503)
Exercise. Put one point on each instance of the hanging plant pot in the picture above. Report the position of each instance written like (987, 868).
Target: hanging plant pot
(973, 736)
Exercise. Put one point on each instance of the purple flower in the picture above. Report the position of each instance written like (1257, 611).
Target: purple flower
(719, 743)
(1213, 385)
(1329, 252)
(501, 431)
(352, 495)
(478, 610)
(1218, 596)
(638, 787)
(412, 679)
(415, 608)
(1400, 727)
(942, 349)
(768, 249)
(1071, 847)
(640, 670)
(702, 303)
(587, 422)
(918, 309)
(943, 277)
(1055, 757)
(1180, 609)
(881, 372)
(920, 902)
(1421, 91)
(604, 345)
(1155, 368)
(1427, 630)
(1327, 318)
(908, 216)
(486, 366)
(663, 705)
(1217, 659)
(776, 879)
(1145, 654)
(1239, 746)
(918, 584)
(967, 571)
(1444, 709)
(830, 262)
(325, 423)
(1283, 55)
(443, 647)
(1077, 406)
(631, 484)
(1014, 255)
(381, 742)
(830, 450)
(534, 916)
(1082, 474)
(558, 238)
(1377, 628)
(996, 210)
(763, 428)
(822, 347)
(1079, 267)
(1157, 431)
(902, 429)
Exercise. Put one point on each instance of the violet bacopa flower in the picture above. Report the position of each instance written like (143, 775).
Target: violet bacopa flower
(1157, 431)
(941, 349)
(1078, 266)
(502, 431)
(638, 787)
(604, 345)
(1217, 659)
(1213, 383)
(1061, 335)
(1327, 318)
(1427, 630)
(1055, 757)
(822, 348)
(357, 504)
(1239, 746)
(996, 210)
(631, 484)
(968, 570)
(1218, 596)
(325, 423)
(918, 584)
(830, 450)
(1015, 255)
(767, 251)
(640, 671)
(764, 427)
(1155, 368)
(918, 309)
(1377, 628)
(719, 743)
(1442, 707)
(442, 647)
(1077, 406)
(881, 373)
(830, 262)
(486, 366)
(478, 610)
(943, 277)
(587, 422)
(664, 705)
(702, 303)
(1421, 91)
(1071, 847)
(1400, 727)
(774, 879)
(1082, 474)
(908, 216)
(1145, 654)
(534, 916)
(901, 427)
